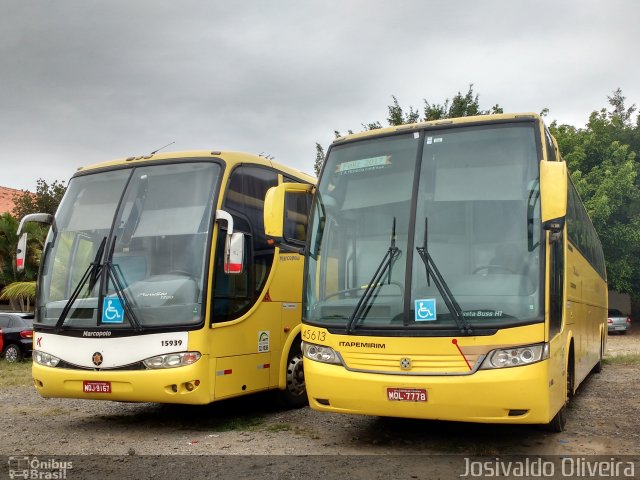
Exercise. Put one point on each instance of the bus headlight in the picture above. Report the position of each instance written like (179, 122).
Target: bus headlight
(516, 356)
(45, 359)
(172, 360)
(318, 353)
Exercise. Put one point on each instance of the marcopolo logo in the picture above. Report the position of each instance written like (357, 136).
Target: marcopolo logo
(36, 468)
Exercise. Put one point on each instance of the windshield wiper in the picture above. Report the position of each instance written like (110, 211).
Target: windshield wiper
(385, 264)
(441, 285)
(92, 272)
(116, 276)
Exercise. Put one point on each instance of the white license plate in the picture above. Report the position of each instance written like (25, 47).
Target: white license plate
(96, 387)
(406, 394)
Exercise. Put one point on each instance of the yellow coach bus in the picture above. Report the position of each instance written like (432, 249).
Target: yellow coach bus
(157, 283)
(452, 273)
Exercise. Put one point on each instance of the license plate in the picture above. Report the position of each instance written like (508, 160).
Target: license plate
(621, 328)
(407, 394)
(96, 387)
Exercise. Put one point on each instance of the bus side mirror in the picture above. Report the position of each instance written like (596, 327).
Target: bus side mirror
(553, 195)
(286, 214)
(234, 253)
(21, 253)
(233, 246)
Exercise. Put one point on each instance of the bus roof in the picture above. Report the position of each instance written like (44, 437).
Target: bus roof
(230, 157)
(433, 123)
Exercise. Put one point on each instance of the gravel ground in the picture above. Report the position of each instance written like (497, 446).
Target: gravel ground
(603, 419)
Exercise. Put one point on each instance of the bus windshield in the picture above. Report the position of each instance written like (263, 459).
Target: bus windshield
(467, 197)
(155, 222)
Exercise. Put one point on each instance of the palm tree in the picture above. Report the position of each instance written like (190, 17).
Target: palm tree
(20, 295)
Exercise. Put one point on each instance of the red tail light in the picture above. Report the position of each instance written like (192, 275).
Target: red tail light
(629, 320)
(609, 320)
(26, 334)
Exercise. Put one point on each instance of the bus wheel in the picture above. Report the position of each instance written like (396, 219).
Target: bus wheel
(295, 393)
(598, 366)
(559, 421)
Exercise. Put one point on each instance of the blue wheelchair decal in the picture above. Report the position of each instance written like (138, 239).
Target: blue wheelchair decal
(425, 310)
(112, 310)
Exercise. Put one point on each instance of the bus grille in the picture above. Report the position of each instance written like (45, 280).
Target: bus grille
(420, 364)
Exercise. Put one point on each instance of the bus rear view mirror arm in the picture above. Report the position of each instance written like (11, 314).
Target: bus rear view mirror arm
(46, 218)
(21, 252)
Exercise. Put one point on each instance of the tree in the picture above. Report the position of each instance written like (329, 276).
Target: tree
(603, 161)
(21, 295)
(317, 166)
(45, 200)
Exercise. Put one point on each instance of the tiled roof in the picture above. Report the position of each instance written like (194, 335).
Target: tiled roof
(6, 199)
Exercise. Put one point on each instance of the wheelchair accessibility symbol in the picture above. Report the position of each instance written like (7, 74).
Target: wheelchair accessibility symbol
(112, 311)
(425, 310)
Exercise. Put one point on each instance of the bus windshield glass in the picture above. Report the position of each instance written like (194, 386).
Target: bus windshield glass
(130, 243)
(465, 196)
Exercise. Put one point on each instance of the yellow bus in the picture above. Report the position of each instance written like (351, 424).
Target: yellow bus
(158, 284)
(452, 273)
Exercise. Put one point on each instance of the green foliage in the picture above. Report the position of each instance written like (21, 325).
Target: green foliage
(45, 200)
(602, 159)
(22, 294)
(466, 105)
(8, 248)
(317, 166)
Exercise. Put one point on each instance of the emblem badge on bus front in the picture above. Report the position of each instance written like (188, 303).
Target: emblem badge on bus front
(405, 363)
(97, 359)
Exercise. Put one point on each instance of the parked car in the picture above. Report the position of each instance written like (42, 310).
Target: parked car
(17, 335)
(618, 322)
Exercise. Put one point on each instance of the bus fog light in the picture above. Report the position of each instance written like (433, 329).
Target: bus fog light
(515, 357)
(172, 360)
(45, 359)
(320, 353)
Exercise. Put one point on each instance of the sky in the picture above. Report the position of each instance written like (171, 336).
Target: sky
(85, 81)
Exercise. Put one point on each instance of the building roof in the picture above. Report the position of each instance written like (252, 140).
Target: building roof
(6, 199)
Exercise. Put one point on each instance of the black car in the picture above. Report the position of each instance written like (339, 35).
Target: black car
(17, 335)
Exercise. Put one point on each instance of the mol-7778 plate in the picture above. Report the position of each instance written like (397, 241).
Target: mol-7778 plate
(407, 394)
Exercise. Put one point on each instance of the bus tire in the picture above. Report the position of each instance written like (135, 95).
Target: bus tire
(598, 366)
(558, 423)
(295, 393)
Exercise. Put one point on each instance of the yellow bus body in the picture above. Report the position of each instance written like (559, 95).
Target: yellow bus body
(455, 390)
(230, 364)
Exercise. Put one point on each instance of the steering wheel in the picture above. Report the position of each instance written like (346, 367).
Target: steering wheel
(492, 267)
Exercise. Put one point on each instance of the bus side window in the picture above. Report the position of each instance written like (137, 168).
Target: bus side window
(244, 200)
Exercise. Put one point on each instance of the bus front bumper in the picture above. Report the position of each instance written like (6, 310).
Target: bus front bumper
(509, 395)
(186, 385)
